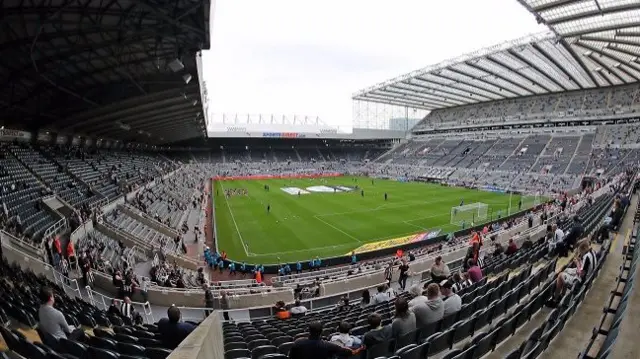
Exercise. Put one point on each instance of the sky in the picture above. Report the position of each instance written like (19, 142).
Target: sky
(307, 57)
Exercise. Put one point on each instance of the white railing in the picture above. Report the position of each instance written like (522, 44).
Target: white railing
(103, 302)
(69, 285)
(55, 228)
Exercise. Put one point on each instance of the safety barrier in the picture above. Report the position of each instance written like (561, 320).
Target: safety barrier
(103, 302)
(69, 285)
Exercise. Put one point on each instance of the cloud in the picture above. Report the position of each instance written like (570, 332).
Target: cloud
(308, 57)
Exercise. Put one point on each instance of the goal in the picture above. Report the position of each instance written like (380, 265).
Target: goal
(526, 201)
(469, 213)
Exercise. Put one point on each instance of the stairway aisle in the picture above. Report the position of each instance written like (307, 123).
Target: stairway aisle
(576, 333)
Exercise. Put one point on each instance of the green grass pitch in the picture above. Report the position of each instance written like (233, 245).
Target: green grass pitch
(300, 227)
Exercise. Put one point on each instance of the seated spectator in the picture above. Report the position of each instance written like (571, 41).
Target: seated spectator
(498, 250)
(439, 270)
(114, 308)
(512, 248)
(404, 321)
(452, 301)
(460, 282)
(52, 321)
(432, 310)
(343, 304)
(381, 296)
(366, 298)
(377, 333)
(172, 330)
(314, 347)
(585, 262)
(416, 296)
(345, 339)
(298, 309)
(281, 311)
(474, 273)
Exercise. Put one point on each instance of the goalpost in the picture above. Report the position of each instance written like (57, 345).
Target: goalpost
(469, 213)
(526, 201)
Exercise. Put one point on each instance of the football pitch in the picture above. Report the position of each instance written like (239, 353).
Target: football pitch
(328, 216)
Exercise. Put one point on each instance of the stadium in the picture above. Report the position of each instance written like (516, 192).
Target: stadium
(482, 207)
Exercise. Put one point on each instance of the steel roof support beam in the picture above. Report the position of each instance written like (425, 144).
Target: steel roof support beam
(543, 53)
(552, 5)
(579, 61)
(600, 29)
(400, 96)
(605, 70)
(592, 13)
(501, 77)
(612, 40)
(498, 63)
(163, 15)
(482, 80)
(420, 96)
(406, 102)
(441, 90)
(365, 98)
(466, 91)
(612, 57)
(500, 96)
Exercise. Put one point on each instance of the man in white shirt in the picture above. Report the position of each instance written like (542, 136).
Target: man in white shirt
(298, 309)
(381, 296)
(452, 301)
(416, 296)
(343, 338)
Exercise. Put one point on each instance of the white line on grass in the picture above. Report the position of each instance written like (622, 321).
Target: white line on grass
(233, 218)
(381, 207)
(305, 250)
(337, 229)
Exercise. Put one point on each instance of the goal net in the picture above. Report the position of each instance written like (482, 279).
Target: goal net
(469, 213)
(526, 201)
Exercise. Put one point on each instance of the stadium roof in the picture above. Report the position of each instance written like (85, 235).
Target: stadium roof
(590, 44)
(120, 69)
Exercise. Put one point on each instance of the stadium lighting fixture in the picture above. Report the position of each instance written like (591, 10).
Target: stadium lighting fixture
(186, 78)
(176, 65)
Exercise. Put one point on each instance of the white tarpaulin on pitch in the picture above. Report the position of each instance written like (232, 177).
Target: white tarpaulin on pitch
(294, 190)
(323, 189)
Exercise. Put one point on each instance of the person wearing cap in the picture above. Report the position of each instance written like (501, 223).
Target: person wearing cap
(452, 301)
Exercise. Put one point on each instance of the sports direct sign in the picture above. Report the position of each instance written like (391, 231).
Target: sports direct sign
(282, 135)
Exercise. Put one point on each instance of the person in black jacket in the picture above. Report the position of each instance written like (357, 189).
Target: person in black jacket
(314, 347)
(574, 234)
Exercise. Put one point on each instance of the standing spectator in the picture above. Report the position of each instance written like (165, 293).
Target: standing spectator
(404, 274)
(388, 273)
(208, 299)
(452, 301)
(224, 304)
(314, 347)
(172, 330)
(430, 311)
(474, 272)
(127, 310)
(404, 321)
(439, 270)
(512, 248)
(144, 289)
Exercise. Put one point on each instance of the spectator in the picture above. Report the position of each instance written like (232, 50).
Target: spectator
(404, 321)
(512, 248)
(366, 298)
(474, 273)
(404, 274)
(416, 296)
(127, 310)
(298, 309)
(459, 282)
(114, 309)
(172, 330)
(314, 347)
(377, 333)
(432, 310)
(381, 296)
(585, 262)
(281, 311)
(439, 270)
(52, 321)
(452, 301)
(208, 300)
(224, 304)
(345, 339)
(498, 250)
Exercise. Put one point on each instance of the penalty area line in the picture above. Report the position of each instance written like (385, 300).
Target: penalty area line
(336, 228)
